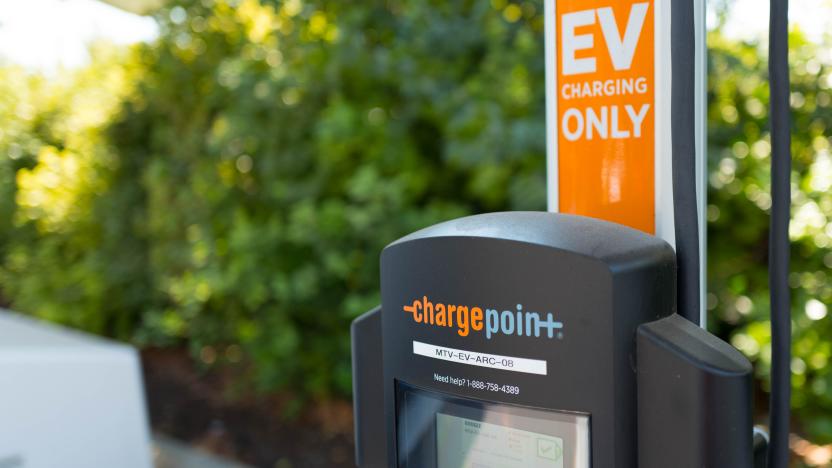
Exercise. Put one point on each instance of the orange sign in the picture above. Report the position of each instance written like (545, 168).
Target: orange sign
(606, 110)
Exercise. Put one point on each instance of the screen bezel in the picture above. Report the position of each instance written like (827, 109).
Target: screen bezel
(416, 438)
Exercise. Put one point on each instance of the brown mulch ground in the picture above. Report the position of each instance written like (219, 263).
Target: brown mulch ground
(205, 410)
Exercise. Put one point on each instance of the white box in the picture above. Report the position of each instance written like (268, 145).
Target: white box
(69, 400)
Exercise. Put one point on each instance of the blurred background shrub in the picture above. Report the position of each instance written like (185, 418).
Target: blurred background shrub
(229, 186)
(241, 175)
(739, 175)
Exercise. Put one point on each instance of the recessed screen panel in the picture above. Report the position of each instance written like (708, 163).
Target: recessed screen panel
(462, 442)
(443, 431)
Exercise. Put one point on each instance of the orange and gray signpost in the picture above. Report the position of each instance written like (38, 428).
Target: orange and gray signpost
(608, 91)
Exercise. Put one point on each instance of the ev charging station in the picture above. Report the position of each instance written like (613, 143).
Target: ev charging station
(574, 338)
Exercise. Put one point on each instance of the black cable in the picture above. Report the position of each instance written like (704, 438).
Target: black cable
(778, 69)
(683, 123)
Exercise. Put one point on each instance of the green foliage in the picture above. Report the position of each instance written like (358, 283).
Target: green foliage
(59, 260)
(229, 187)
(263, 157)
(739, 168)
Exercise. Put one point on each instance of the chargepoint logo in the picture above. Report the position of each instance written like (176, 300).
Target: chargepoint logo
(490, 321)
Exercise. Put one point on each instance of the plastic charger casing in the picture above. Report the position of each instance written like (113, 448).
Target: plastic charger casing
(598, 279)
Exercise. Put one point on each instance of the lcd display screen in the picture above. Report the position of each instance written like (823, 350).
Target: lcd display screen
(443, 431)
(462, 442)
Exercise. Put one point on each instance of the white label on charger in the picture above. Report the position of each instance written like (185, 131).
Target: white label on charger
(475, 358)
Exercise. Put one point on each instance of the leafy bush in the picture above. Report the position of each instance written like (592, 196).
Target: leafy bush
(61, 259)
(266, 155)
(739, 167)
